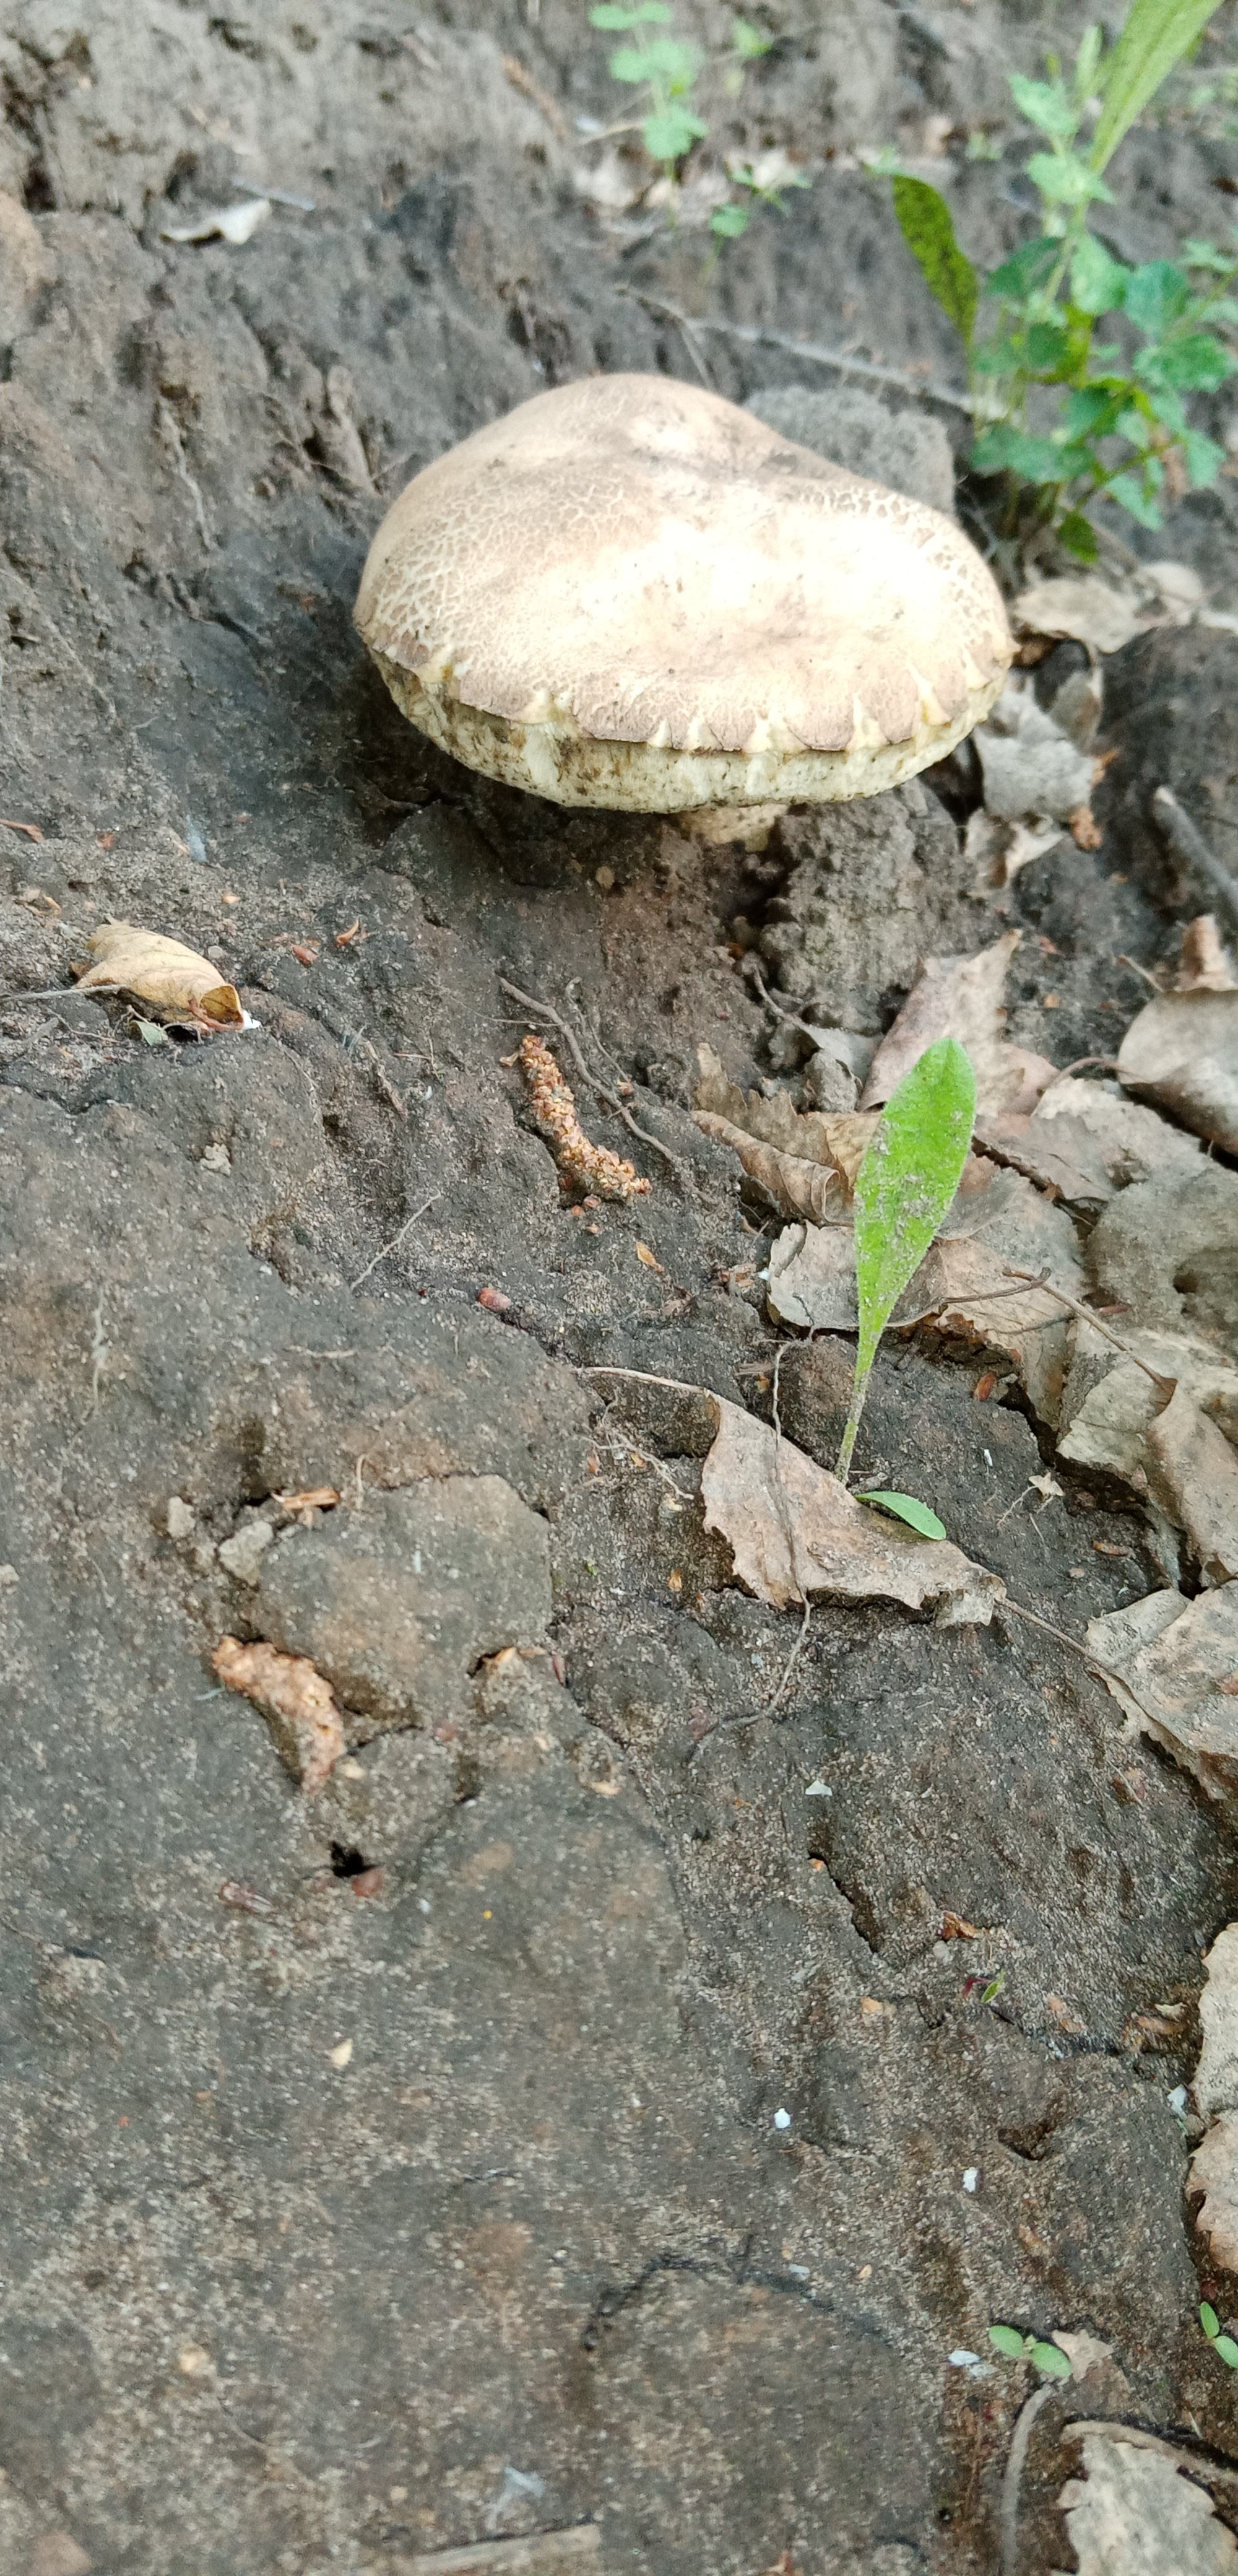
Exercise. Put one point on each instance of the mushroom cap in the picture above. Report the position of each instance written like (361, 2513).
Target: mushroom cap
(631, 593)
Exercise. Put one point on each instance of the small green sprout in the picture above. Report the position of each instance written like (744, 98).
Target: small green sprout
(904, 1186)
(668, 68)
(1223, 2345)
(904, 1507)
(1047, 2358)
(1065, 417)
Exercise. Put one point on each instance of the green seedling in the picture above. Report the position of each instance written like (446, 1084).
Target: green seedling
(1047, 2358)
(1065, 417)
(668, 68)
(1223, 2345)
(904, 1186)
(904, 1507)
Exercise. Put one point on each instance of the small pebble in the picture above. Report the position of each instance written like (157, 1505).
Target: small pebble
(342, 2055)
(782, 2119)
(604, 878)
(179, 1518)
(971, 2177)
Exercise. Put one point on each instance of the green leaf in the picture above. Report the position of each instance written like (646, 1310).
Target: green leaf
(1051, 2361)
(1194, 361)
(150, 1032)
(647, 12)
(1209, 2320)
(747, 41)
(1156, 295)
(670, 132)
(995, 1987)
(663, 59)
(730, 221)
(928, 230)
(1011, 451)
(1156, 35)
(1066, 180)
(1203, 458)
(1227, 2351)
(903, 1188)
(1097, 280)
(1008, 2341)
(1130, 490)
(1202, 254)
(904, 1507)
(1079, 537)
(1049, 348)
(1026, 270)
(1087, 64)
(1045, 103)
(1091, 411)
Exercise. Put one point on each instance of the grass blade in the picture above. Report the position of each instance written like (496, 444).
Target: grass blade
(1156, 35)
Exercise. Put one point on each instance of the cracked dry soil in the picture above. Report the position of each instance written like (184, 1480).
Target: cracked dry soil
(349, 2221)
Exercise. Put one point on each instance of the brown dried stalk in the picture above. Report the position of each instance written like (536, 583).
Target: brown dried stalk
(590, 1168)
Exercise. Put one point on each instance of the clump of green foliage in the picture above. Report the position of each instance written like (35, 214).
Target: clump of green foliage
(1121, 429)
(1222, 2344)
(668, 68)
(1047, 2358)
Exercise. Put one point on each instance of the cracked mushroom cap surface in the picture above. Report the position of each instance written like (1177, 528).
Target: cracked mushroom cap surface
(630, 593)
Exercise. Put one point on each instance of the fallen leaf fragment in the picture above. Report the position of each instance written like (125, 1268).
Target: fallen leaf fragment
(1110, 1407)
(1214, 2172)
(1193, 1473)
(1083, 2351)
(1135, 2511)
(649, 1259)
(345, 938)
(796, 1186)
(795, 1531)
(304, 950)
(234, 224)
(954, 1927)
(1079, 605)
(582, 1165)
(1182, 1050)
(180, 987)
(961, 997)
(1030, 765)
(31, 830)
(1205, 966)
(299, 1706)
(306, 1505)
(1168, 1661)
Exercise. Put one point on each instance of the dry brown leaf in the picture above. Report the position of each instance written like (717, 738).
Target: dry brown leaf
(1068, 1162)
(1193, 1473)
(1110, 1404)
(1100, 1130)
(1182, 1050)
(175, 983)
(798, 1187)
(795, 1531)
(1083, 606)
(1169, 1661)
(1205, 966)
(649, 1259)
(1214, 2171)
(299, 1706)
(961, 997)
(1134, 2514)
(829, 1137)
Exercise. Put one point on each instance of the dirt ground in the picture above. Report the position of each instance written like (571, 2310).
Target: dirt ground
(341, 2227)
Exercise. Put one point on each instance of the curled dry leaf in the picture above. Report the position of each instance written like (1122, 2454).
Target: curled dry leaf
(1193, 1474)
(177, 985)
(1083, 606)
(1134, 2511)
(1182, 1050)
(796, 1186)
(1171, 1665)
(1110, 1407)
(961, 997)
(795, 1532)
(299, 1706)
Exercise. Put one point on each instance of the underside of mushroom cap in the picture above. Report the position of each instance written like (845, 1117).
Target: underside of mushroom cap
(630, 593)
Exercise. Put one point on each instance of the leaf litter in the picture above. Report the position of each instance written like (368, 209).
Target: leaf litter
(179, 987)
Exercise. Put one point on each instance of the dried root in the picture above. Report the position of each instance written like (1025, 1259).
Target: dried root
(582, 1166)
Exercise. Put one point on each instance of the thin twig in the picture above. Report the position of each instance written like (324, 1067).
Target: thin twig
(1189, 847)
(817, 356)
(1084, 1652)
(1164, 1385)
(396, 1240)
(1015, 2464)
(529, 1002)
(686, 328)
(787, 1518)
(791, 1017)
(679, 1385)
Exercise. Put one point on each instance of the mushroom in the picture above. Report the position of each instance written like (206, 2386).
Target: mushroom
(630, 593)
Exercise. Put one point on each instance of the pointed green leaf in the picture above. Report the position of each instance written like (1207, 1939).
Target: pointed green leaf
(1045, 103)
(1008, 2340)
(1156, 35)
(1065, 180)
(1051, 2361)
(1209, 2320)
(903, 1188)
(1204, 458)
(1026, 270)
(1097, 280)
(928, 229)
(730, 221)
(1227, 2349)
(1079, 537)
(904, 1507)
